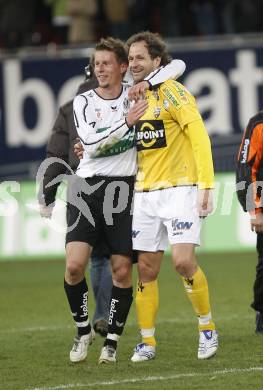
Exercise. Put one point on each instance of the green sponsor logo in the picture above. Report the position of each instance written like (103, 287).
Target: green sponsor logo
(101, 129)
(119, 147)
(171, 97)
(179, 89)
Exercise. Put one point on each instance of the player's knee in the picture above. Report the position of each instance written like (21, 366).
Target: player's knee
(122, 274)
(147, 272)
(74, 271)
(184, 265)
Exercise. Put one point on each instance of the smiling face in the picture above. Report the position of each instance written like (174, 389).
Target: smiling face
(140, 61)
(107, 69)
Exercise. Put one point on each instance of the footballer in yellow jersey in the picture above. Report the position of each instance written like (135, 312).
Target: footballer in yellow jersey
(170, 152)
(175, 168)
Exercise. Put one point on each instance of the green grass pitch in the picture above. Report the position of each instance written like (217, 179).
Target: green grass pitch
(36, 333)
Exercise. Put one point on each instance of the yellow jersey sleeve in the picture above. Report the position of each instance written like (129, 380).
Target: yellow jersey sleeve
(201, 146)
(182, 107)
(179, 102)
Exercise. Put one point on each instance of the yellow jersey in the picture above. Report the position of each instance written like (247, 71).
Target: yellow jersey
(172, 143)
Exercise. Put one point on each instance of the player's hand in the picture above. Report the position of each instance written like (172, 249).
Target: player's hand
(205, 202)
(136, 112)
(46, 211)
(256, 222)
(78, 149)
(137, 92)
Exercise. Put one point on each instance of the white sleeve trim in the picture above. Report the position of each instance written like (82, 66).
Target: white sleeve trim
(171, 71)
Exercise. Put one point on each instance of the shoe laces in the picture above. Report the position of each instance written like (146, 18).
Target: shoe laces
(76, 344)
(144, 349)
(110, 350)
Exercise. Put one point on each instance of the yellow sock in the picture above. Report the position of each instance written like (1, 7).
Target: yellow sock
(147, 302)
(197, 291)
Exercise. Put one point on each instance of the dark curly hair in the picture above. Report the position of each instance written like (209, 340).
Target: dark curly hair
(154, 43)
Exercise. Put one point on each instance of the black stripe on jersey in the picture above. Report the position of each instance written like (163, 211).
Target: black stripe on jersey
(101, 139)
(84, 108)
(155, 73)
(76, 119)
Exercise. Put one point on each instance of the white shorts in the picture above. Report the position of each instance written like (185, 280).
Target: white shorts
(163, 216)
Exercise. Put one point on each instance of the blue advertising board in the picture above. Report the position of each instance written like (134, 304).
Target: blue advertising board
(227, 82)
(30, 93)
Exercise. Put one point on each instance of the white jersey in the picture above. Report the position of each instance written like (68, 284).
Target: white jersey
(109, 145)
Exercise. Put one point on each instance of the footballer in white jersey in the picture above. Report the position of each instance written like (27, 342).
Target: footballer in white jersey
(104, 121)
(109, 147)
(108, 142)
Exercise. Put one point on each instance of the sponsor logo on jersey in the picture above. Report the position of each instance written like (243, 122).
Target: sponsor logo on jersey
(90, 94)
(244, 151)
(113, 108)
(101, 129)
(182, 91)
(150, 135)
(180, 226)
(170, 96)
(126, 143)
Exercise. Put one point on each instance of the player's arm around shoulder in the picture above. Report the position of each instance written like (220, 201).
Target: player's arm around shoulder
(173, 70)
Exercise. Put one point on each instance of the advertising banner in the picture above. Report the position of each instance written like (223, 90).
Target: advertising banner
(227, 82)
(25, 235)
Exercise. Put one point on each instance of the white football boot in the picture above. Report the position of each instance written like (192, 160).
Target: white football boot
(143, 352)
(80, 347)
(108, 355)
(208, 344)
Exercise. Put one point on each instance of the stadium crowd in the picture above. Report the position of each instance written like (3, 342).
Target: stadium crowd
(41, 22)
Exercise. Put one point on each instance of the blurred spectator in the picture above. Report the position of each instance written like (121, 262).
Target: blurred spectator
(186, 20)
(170, 15)
(205, 17)
(82, 25)
(139, 15)
(42, 33)
(155, 15)
(145, 15)
(17, 19)
(116, 13)
(39, 22)
(241, 16)
(226, 17)
(60, 20)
